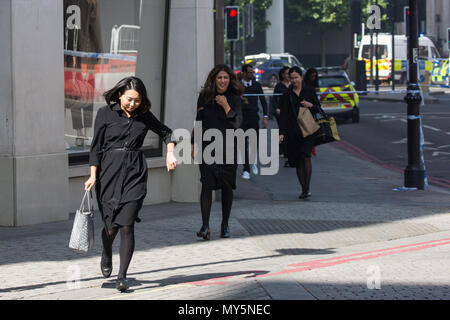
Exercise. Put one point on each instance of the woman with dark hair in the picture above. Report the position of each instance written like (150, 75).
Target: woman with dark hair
(218, 107)
(299, 147)
(281, 88)
(312, 78)
(119, 169)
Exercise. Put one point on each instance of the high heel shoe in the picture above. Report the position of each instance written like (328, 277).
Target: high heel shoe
(122, 284)
(204, 233)
(305, 195)
(224, 232)
(106, 265)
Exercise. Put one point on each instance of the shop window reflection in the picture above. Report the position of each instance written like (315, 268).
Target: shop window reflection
(102, 46)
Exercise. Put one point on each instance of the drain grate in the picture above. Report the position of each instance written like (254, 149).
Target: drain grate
(279, 226)
(282, 226)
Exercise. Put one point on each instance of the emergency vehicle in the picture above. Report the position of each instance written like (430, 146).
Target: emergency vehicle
(427, 55)
(334, 83)
(441, 72)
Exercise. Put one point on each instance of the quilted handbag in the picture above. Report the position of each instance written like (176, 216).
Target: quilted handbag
(82, 236)
(327, 131)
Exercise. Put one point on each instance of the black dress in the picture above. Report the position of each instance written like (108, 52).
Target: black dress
(298, 147)
(213, 116)
(121, 183)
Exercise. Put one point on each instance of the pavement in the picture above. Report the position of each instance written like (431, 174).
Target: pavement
(431, 95)
(356, 238)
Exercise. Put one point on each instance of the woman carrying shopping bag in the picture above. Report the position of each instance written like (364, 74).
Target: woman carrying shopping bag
(298, 100)
(119, 169)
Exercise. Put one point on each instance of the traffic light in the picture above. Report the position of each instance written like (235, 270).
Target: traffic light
(232, 23)
(356, 17)
(406, 14)
(398, 9)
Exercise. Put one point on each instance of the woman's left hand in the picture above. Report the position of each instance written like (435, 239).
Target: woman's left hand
(223, 102)
(306, 104)
(171, 161)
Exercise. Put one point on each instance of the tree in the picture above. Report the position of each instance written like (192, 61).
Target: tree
(326, 15)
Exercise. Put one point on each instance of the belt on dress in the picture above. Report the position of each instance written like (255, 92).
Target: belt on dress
(126, 149)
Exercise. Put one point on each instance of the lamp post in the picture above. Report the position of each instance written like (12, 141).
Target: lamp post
(415, 171)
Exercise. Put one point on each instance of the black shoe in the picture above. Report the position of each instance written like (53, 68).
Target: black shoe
(106, 264)
(122, 284)
(286, 164)
(305, 195)
(224, 232)
(204, 233)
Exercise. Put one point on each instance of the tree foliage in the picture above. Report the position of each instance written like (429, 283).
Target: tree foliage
(328, 14)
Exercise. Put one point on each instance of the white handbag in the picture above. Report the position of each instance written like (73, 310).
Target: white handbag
(82, 236)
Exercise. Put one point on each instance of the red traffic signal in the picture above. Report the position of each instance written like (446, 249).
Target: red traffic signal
(233, 13)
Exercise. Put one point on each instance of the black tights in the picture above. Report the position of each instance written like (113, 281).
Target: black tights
(206, 202)
(304, 171)
(126, 246)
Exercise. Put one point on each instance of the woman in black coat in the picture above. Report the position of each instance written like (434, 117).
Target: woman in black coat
(281, 88)
(119, 169)
(298, 147)
(218, 107)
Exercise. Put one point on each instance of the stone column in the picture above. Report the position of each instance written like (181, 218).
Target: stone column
(190, 58)
(275, 32)
(33, 159)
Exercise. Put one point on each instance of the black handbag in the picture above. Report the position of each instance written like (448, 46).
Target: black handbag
(327, 131)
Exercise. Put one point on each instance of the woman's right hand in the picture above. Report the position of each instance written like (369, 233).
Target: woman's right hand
(89, 183)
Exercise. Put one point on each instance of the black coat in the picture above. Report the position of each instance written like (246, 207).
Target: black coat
(297, 146)
(213, 116)
(115, 150)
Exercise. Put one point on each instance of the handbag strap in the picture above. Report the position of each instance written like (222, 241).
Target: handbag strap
(89, 202)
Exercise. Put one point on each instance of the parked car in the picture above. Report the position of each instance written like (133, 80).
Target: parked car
(340, 105)
(267, 66)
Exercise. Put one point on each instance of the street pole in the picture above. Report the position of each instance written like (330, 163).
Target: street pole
(415, 171)
(219, 51)
(393, 54)
(377, 78)
(371, 52)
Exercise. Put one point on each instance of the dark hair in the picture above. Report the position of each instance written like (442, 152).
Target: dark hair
(209, 88)
(245, 67)
(309, 81)
(129, 83)
(280, 73)
(296, 69)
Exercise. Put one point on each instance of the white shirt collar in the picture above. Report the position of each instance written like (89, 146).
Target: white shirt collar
(246, 84)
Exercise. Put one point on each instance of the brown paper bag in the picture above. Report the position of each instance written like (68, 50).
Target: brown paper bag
(306, 122)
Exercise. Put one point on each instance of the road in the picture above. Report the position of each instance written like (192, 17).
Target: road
(381, 136)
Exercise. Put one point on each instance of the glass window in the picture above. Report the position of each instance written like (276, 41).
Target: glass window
(277, 64)
(423, 52)
(102, 45)
(434, 53)
(382, 51)
(333, 81)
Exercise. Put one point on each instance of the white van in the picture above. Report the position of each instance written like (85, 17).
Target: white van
(427, 52)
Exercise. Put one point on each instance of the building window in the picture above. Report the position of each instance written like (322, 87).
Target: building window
(104, 42)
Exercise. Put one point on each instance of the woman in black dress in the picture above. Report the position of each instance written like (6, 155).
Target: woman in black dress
(298, 148)
(219, 107)
(281, 88)
(312, 79)
(119, 169)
